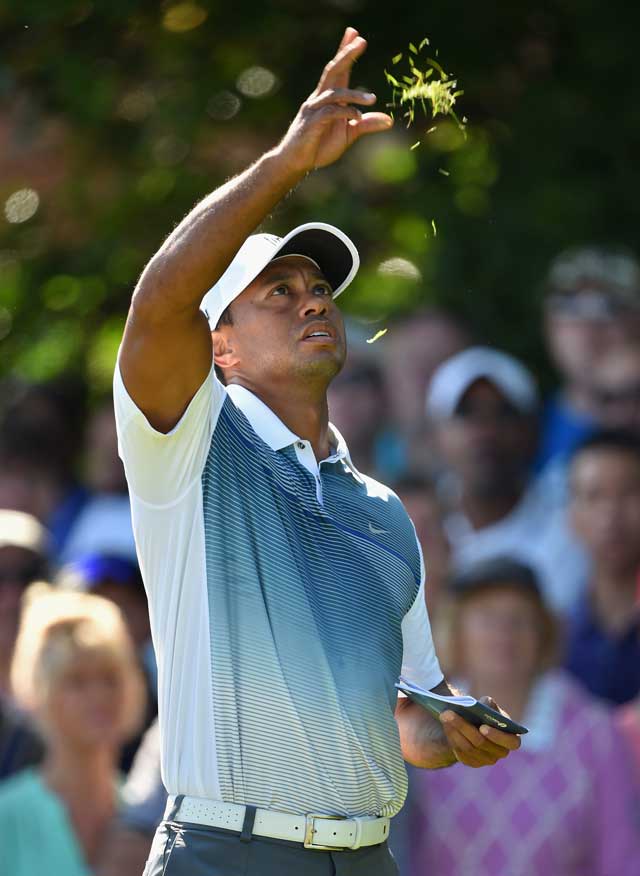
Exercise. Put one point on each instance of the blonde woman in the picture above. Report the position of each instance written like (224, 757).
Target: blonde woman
(565, 805)
(74, 667)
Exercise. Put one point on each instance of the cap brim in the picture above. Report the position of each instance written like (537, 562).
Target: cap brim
(333, 252)
(326, 245)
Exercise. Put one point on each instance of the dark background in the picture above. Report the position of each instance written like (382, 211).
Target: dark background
(121, 114)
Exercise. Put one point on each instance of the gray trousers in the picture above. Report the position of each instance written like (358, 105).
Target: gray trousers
(181, 849)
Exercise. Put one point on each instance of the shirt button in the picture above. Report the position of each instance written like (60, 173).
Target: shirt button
(301, 445)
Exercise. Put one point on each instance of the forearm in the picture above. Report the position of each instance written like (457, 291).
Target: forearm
(199, 250)
(422, 738)
(431, 743)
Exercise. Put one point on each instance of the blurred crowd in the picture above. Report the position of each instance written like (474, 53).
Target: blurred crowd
(527, 509)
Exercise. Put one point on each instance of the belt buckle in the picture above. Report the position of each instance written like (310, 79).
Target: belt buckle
(309, 830)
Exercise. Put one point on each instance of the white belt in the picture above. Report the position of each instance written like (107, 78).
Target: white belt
(313, 831)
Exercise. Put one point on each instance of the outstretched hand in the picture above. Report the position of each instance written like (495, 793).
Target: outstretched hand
(330, 120)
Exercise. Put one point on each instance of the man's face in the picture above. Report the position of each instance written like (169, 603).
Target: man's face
(577, 343)
(500, 636)
(487, 442)
(285, 326)
(616, 385)
(605, 506)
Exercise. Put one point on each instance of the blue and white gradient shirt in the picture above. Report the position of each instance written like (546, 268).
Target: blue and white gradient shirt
(285, 596)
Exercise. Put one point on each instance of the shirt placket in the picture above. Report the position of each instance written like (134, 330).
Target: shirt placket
(306, 456)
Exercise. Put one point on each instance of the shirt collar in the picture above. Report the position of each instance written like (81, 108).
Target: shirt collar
(273, 431)
(262, 419)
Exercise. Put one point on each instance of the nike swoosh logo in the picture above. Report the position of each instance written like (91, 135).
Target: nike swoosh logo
(375, 531)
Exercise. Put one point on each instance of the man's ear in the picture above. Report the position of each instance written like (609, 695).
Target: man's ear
(224, 354)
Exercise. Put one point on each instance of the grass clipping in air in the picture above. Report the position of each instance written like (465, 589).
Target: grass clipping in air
(377, 336)
(431, 89)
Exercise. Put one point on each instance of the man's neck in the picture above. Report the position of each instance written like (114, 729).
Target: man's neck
(303, 409)
(614, 596)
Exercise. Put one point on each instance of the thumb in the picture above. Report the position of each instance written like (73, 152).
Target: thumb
(369, 123)
(489, 701)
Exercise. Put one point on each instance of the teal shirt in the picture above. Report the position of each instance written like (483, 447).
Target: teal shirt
(36, 837)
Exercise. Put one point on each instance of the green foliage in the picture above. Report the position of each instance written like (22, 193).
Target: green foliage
(121, 115)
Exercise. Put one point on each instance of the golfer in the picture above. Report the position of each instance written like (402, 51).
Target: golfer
(286, 589)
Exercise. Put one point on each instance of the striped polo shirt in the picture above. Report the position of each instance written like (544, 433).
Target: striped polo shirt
(285, 597)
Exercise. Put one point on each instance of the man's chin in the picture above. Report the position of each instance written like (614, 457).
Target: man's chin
(317, 367)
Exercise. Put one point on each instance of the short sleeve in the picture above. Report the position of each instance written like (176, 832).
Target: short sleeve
(160, 467)
(420, 664)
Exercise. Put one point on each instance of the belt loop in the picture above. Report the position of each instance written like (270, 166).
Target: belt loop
(175, 808)
(247, 824)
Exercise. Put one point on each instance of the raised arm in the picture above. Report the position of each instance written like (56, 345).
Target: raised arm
(167, 347)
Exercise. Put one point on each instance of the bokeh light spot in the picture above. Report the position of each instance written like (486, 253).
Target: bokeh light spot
(136, 105)
(257, 82)
(169, 150)
(391, 163)
(445, 137)
(101, 357)
(156, 184)
(183, 17)
(61, 292)
(412, 231)
(401, 268)
(21, 205)
(224, 106)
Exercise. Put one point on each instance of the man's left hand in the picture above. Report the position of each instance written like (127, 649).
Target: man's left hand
(477, 746)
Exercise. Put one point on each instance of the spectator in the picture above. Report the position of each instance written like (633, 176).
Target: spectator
(420, 498)
(414, 349)
(23, 560)
(20, 743)
(603, 649)
(23, 544)
(104, 471)
(119, 580)
(617, 389)
(484, 406)
(628, 720)
(564, 805)
(74, 666)
(40, 440)
(357, 406)
(592, 307)
(104, 524)
(145, 799)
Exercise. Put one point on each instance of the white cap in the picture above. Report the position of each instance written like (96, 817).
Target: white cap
(454, 377)
(324, 244)
(18, 529)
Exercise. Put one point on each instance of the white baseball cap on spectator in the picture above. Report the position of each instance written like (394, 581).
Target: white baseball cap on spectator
(593, 283)
(454, 377)
(19, 529)
(325, 245)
